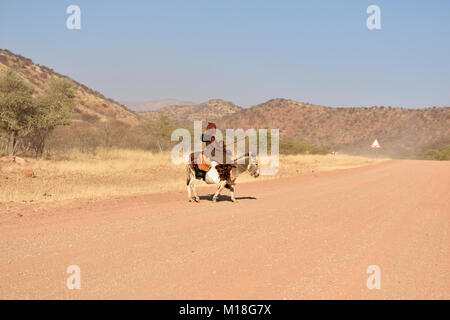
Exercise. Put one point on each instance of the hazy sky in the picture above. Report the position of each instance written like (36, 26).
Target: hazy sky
(243, 51)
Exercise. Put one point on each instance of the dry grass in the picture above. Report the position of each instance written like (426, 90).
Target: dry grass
(112, 173)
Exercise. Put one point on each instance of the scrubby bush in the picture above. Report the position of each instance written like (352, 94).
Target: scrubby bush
(301, 147)
(434, 154)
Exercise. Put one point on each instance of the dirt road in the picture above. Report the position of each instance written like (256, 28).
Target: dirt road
(311, 236)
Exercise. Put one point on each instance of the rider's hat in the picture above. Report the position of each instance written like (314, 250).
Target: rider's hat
(209, 133)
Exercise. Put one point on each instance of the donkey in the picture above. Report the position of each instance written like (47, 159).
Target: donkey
(242, 164)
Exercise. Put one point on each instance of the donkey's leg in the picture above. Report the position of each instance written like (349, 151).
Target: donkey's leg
(189, 181)
(194, 188)
(232, 193)
(189, 187)
(221, 186)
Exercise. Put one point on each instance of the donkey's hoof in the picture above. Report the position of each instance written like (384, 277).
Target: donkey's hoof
(197, 200)
(214, 200)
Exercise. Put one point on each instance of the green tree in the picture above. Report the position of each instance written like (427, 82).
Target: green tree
(16, 108)
(160, 131)
(32, 119)
(52, 109)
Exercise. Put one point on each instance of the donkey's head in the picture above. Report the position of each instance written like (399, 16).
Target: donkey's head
(252, 166)
(246, 162)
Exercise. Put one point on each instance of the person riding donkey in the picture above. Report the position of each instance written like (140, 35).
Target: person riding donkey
(216, 161)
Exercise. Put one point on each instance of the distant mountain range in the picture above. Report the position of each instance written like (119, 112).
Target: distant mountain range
(145, 106)
(400, 131)
(211, 110)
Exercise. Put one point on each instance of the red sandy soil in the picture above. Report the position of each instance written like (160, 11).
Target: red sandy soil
(310, 236)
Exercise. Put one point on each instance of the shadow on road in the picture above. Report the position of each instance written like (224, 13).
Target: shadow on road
(225, 198)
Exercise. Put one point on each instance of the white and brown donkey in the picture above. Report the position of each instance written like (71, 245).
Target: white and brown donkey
(242, 164)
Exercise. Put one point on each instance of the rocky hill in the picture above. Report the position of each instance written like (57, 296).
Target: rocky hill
(399, 131)
(211, 110)
(90, 104)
